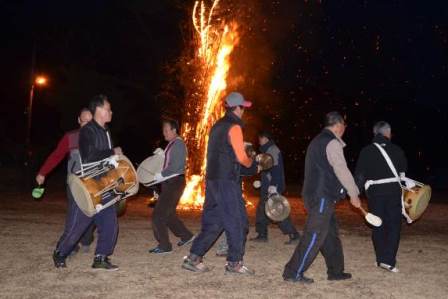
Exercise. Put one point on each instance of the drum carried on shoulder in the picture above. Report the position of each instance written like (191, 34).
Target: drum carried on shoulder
(416, 200)
(114, 176)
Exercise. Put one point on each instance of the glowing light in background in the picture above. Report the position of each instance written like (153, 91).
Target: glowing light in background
(41, 80)
(215, 41)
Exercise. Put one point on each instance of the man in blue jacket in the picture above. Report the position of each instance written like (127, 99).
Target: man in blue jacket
(272, 181)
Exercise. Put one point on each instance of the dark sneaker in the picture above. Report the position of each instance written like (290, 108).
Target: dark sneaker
(101, 262)
(194, 264)
(238, 268)
(300, 279)
(340, 276)
(260, 238)
(182, 242)
(59, 260)
(293, 239)
(158, 250)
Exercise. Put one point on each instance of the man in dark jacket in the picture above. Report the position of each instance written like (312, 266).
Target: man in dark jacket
(223, 207)
(327, 179)
(384, 199)
(272, 181)
(95, 144)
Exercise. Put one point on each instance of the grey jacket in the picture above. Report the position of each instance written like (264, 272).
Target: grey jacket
(175, 157)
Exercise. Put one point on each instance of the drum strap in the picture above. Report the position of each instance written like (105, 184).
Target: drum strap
(396, 179)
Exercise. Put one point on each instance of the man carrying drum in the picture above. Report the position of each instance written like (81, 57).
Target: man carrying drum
(95, 144)
(164, 215)
(69, 145)
(384, 196)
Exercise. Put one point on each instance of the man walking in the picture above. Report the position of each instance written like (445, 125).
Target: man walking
(327, 179)
(223, 207)
(164, 216)
(69, 145)
(272, 182)
(384, 198)
(95, 144)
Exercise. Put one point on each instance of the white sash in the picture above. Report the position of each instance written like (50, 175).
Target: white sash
(398, 179)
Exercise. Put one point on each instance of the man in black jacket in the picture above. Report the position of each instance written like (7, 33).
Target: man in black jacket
(95, 144)
(327, 179)
(384, 198)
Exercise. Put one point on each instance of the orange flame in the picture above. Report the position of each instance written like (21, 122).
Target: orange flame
(216, 41)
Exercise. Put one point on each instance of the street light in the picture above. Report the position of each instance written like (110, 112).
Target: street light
(38, 81)
(41, 80)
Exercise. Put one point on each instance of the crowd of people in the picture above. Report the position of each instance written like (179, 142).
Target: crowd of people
(327, 180)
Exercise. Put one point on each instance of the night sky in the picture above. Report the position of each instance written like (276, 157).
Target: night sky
(297, 60)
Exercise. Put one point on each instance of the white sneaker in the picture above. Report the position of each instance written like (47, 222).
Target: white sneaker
(389, 268)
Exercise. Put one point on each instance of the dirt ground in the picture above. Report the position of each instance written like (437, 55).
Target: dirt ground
(29, 231)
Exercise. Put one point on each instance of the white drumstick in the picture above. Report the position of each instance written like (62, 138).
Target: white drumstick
(372, 219)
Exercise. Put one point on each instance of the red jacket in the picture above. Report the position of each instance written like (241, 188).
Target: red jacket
(68, 142)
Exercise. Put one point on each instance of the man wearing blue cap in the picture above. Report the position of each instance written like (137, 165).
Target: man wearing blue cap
(223, 208)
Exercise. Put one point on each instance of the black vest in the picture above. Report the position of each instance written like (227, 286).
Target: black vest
(320, 179)
(221, 159)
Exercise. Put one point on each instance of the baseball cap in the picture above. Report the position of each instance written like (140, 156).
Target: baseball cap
(236, 99)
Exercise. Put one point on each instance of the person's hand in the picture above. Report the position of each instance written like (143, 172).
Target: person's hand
(40, 179)
(118, 151)
(272, 189)
(355, 201)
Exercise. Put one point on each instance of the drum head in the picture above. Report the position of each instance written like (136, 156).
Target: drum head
(81, 195)
(417, 201)
(149, 167)
(277, 208)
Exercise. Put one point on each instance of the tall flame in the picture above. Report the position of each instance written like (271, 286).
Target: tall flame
(215, 41)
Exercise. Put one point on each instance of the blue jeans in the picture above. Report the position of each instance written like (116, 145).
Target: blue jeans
(223, 210)
(77, 223)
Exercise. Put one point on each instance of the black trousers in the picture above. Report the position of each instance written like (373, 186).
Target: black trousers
(164, 216)
(262, 221)
(386, 238)
(320, 234)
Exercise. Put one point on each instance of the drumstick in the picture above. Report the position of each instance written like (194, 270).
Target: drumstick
(363, 211)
